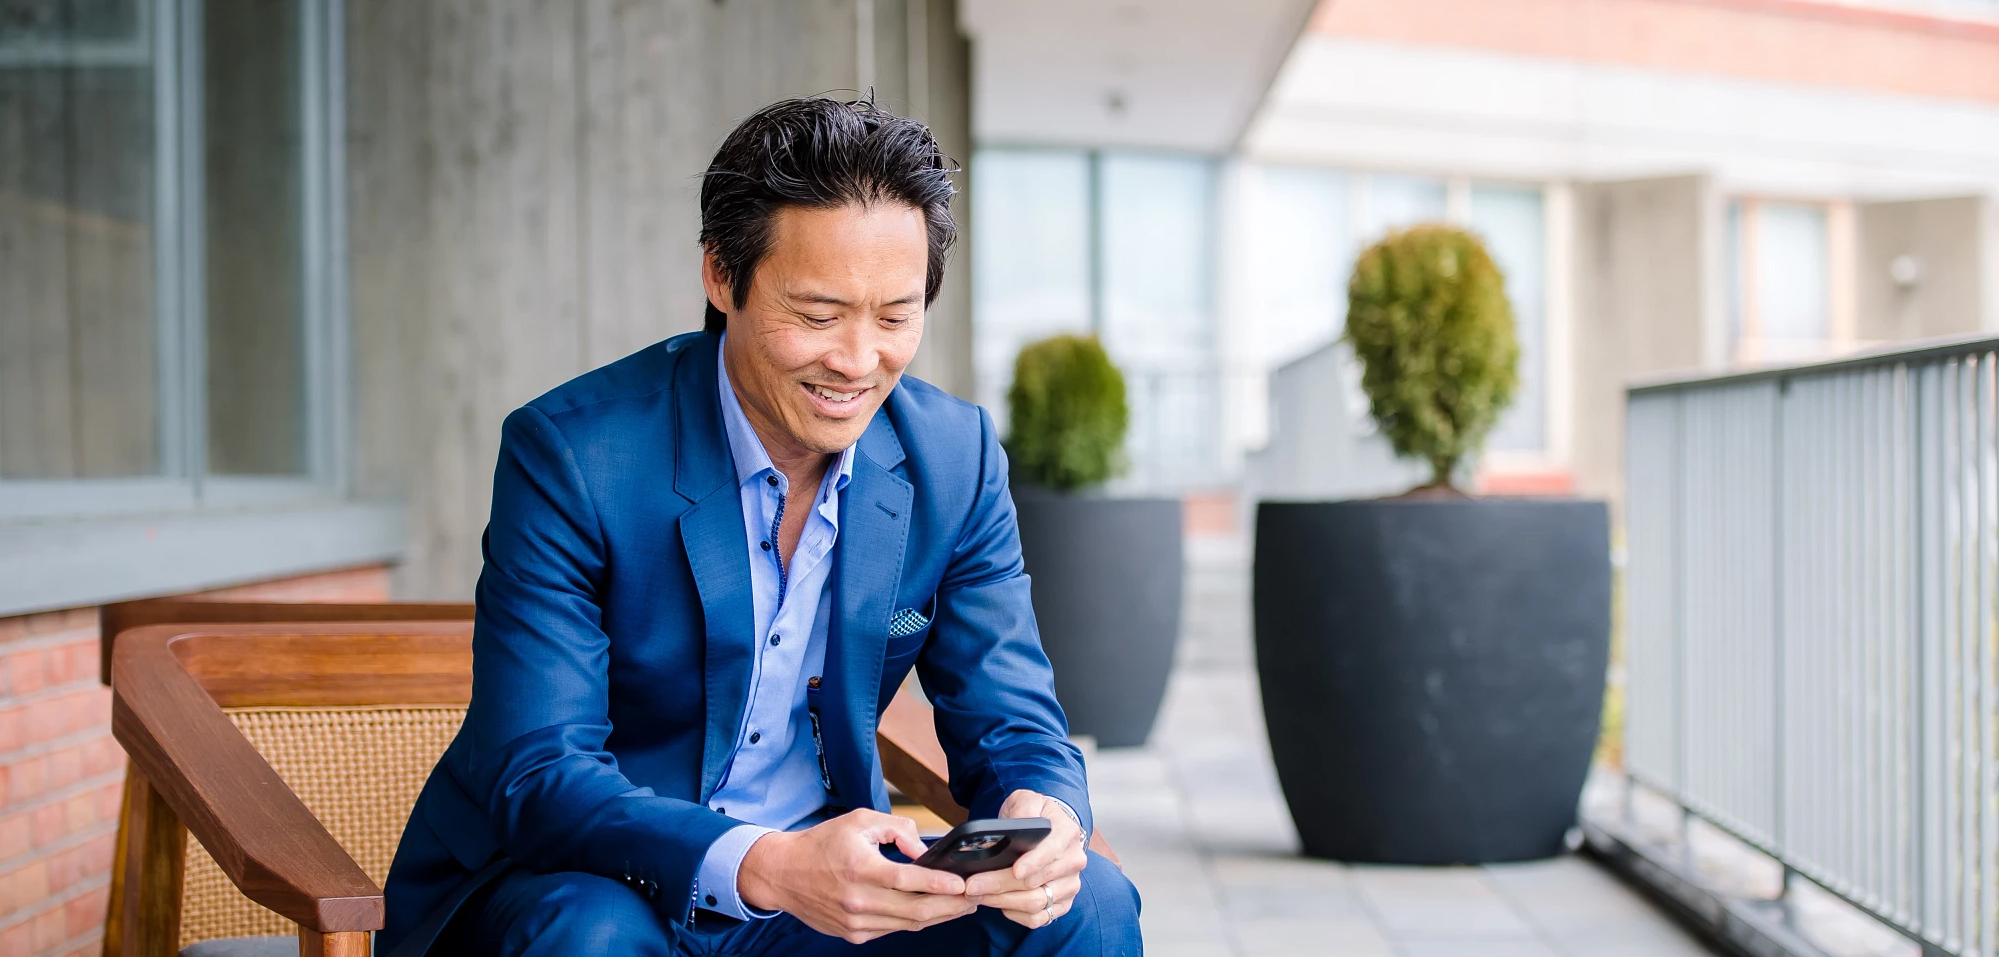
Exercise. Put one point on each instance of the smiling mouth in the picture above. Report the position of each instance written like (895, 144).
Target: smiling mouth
(832, 396)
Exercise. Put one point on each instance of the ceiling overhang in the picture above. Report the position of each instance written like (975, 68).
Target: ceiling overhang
(1161, 74)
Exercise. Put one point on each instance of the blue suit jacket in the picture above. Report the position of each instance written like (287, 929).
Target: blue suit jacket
(612, 649)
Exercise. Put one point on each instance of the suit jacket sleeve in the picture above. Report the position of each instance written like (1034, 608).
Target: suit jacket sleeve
(984, 669)
(540, 703)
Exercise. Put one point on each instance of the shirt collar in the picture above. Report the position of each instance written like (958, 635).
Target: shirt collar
(748, 450)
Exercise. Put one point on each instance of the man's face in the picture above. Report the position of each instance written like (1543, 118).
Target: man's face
(834, 315)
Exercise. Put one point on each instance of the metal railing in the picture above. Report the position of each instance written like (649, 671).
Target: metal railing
(1813, 623)
(1178, 437)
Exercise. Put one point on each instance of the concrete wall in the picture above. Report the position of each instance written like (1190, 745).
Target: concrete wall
(1647, 300)
(523, 187)
(1950, 243)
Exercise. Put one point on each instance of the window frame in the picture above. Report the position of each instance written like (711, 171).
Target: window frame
(173, 29)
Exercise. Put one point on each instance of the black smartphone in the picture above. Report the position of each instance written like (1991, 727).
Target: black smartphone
(975, 847)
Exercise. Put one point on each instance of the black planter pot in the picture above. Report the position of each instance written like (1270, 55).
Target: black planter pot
(1106, 577)
(1432, 672)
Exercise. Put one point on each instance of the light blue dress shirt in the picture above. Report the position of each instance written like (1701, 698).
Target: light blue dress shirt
(773, 782)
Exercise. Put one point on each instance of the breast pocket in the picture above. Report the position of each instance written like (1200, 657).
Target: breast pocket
(908, 629)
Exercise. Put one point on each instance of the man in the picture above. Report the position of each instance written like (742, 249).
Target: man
(709, 567)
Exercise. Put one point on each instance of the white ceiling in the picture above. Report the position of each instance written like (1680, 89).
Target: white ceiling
(1165, 74)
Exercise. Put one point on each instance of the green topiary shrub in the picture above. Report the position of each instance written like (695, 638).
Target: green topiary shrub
(1068, 414)
(1428, 318)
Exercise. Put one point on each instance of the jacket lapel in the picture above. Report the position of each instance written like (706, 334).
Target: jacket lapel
(717, 553)
(874, 527)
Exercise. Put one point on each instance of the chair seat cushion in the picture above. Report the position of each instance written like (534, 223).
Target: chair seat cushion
(243, 947)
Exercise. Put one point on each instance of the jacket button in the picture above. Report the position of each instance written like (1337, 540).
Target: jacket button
(813, 682)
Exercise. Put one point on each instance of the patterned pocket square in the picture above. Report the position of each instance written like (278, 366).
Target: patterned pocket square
(906, 622)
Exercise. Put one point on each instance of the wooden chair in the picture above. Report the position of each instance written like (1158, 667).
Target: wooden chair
(292, 753)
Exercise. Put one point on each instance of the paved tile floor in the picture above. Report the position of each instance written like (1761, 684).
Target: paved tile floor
(1202, 828)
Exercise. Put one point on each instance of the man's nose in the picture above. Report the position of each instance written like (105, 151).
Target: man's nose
(857, 354)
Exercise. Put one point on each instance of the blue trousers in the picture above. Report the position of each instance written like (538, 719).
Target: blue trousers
(533, 915)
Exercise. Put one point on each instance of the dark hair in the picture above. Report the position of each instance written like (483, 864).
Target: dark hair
(819, 152)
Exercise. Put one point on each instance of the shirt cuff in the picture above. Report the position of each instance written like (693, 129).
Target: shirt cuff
(1073, 816)
(715, 882)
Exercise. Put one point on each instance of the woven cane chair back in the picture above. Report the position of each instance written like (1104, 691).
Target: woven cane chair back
(357, 769)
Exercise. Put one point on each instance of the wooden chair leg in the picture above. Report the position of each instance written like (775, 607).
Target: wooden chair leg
(312, 943)
(154, 866)
(114, 910)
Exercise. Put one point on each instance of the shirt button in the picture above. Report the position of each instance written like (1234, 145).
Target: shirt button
(711, 900)
(775, 640)
(766, 546)
(721, 810)
(756, 736)
(772, 479)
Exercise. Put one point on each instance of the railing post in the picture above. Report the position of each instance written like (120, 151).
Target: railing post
(1779, 678)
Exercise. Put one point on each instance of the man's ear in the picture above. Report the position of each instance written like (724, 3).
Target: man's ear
(715, 282)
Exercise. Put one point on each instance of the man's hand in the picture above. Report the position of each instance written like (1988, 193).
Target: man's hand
(833, 877)
(1043, 883)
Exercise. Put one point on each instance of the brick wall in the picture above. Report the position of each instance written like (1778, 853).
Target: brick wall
(61, 772)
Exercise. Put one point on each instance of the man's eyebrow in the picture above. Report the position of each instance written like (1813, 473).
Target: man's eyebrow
(825, 299)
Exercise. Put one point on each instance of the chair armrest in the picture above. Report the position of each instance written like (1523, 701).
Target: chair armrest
(250, 822)
(120, 616)
(914, 762)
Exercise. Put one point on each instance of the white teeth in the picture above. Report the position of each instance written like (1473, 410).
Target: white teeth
(831, 396)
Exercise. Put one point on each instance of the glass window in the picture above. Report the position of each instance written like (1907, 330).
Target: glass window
(1156, 224)
(1509, 219)
(1156, 215)
(1119, 244)
(165, 184)
(79, 349)
(1031, 258)
(1778, 281)
(1296, 258)
(253, 222)
(1396, 202)
(1295, 231)
(1791, 281)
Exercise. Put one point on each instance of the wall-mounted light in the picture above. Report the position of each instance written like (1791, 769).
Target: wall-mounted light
(1905, 271)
